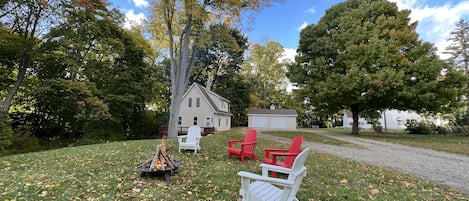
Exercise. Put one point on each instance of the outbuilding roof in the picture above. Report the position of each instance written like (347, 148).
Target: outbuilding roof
(277, 112)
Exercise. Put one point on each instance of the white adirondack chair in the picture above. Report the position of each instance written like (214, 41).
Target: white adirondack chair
(191, 140)
(256, 187)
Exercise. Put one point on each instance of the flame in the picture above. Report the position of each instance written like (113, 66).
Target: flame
(161, 161)
(163, 147)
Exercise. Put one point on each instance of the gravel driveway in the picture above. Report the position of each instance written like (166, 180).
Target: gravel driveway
(435, 166)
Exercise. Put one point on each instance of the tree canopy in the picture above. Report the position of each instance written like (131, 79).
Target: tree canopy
(364, 55)
(266, 73)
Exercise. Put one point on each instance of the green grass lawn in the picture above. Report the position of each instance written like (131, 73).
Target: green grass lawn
(458, 144)
(108, 172)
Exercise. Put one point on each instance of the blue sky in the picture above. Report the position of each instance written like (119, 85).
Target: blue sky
(283, 22)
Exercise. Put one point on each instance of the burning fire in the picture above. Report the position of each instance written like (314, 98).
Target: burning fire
(160, 162)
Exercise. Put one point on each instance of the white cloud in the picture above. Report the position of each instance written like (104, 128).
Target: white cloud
(288, 54)
(404, 4)
(133, 19)
(140, 3)
(435, 22)
(304, 25)
(311, 10)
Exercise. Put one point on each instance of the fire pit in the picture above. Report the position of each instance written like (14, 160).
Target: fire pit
(160, 165)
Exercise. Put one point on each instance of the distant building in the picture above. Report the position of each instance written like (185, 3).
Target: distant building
(272, 118)
(205, 109)
(390, 119)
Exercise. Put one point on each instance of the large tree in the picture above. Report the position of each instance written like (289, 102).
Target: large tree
(95, 77)
(182, 22)
(266, 73)
(220, 57)
(25, 20)
(364, 55)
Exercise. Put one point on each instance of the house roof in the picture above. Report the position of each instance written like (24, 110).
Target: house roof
(205, 94)
(275, 112)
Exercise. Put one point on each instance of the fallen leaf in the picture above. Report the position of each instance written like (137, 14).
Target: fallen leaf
(43, 194)
(406, 184)
(374, 192)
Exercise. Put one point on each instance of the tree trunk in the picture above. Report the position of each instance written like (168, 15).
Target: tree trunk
(173, 117)
(355, 112)
(180, 73)
(19, 79)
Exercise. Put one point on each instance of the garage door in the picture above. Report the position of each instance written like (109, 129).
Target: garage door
(260, 122)
(279, 122)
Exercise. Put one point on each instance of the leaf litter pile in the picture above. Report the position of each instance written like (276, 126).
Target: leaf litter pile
(109, 172)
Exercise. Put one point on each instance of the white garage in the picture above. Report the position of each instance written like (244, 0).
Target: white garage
(272, 118)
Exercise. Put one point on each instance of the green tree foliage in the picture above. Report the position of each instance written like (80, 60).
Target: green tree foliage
(9, 54)
(267, 74)
(237, 89)
(95, 76)
(220, 57)
(364, 55)
(23, 22)
(6, 134)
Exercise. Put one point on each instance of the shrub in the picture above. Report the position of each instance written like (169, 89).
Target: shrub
(414, 127)
(377, 128)
(23, 142)
(144, 126)
(101, 131)
(6, 133)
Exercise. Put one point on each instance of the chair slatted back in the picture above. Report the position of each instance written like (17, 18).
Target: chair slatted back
(192, 133)
(295, 147)
(251, 136)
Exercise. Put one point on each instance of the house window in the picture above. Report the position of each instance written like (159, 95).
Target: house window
(226, 122)
(208, 121)
(195, 121)
(179, 120)
(197, 102)
(219, 120)
(190, 102)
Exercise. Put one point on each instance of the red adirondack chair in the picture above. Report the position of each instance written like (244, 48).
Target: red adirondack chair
(246, 147)
(289, 155)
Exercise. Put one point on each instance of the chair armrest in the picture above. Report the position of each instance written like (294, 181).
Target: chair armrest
(268, 151)
(181, 137)
(281, 154)
(230, 142)
(248, 143)
(268, 167)
(275, 168)
(275, 154)
(277, 181)
(197, 140)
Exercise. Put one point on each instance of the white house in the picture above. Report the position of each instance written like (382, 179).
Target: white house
(390, 119)
(272, 118)
(205, 109)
